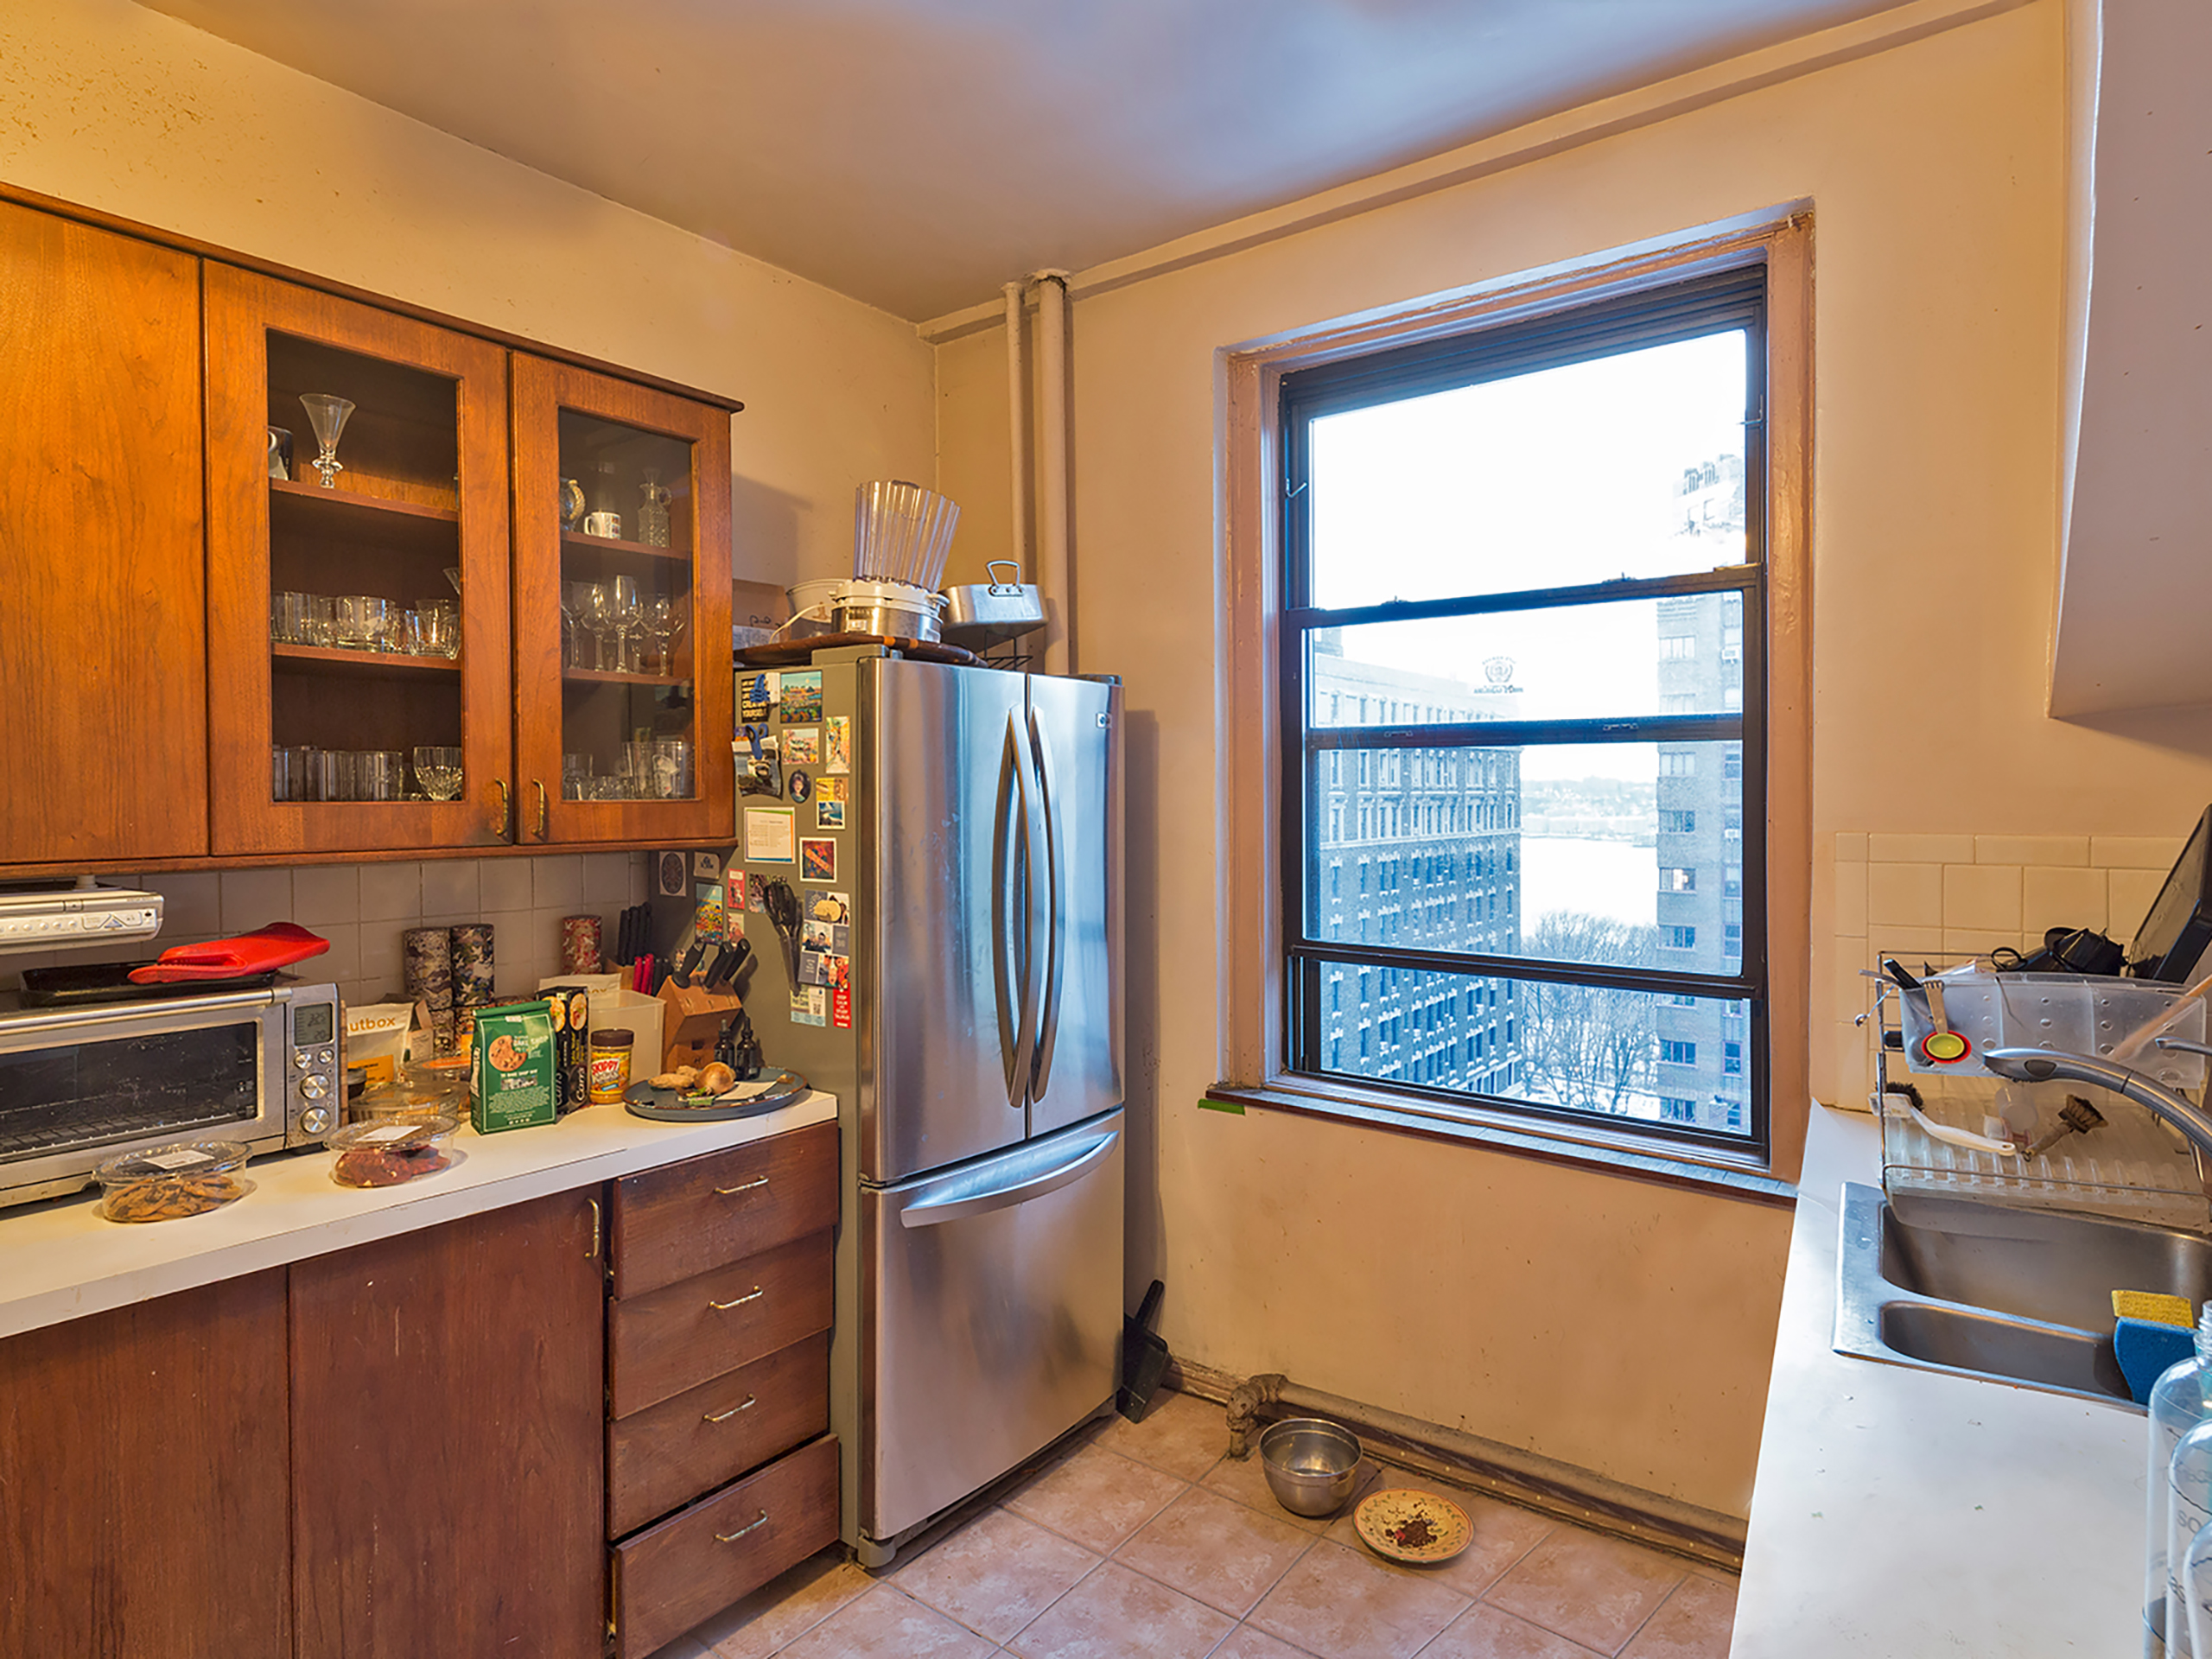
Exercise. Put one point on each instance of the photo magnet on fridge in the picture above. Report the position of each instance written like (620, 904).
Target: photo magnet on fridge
(800, 696)
(759, 767)
(672, 880)
(801, 787)
(756, 697)
(803, 746)
(756, 893)
(818, 859)
(707, 923)
(829, 815)
(837, 743)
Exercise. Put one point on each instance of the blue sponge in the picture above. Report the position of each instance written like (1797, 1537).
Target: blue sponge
(2144, 1349)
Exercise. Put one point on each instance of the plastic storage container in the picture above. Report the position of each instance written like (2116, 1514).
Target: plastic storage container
(2189, 1515)
(390, 1153)
(169, 1183)
(2180, 1400)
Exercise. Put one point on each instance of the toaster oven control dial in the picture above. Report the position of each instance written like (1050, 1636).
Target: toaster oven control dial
(314, 1087)
(301, 1058)
(315, 1120)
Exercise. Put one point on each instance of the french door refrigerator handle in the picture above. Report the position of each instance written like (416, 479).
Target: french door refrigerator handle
(1017, 1009)
(1055, 947)
(958, 1202)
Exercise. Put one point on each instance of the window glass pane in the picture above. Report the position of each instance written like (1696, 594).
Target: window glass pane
(1621, 854)
(1584, 662)
(1627, 466)
(1640, 1054)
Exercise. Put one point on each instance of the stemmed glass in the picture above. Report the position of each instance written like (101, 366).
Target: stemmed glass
(663, 623)
(598, 609)
(629, 623)
(572, 607)
(326, 413)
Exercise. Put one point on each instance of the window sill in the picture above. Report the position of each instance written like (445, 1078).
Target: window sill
(1596, 1150)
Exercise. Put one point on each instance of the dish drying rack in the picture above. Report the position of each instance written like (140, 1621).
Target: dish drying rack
(2132, 1166)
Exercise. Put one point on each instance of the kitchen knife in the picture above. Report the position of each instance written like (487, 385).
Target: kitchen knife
(727, 964)
(690, 965)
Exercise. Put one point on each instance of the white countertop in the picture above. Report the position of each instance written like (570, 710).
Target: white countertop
(1900, 1511)
(59, 1260)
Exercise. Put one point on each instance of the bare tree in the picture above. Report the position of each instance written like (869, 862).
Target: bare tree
(1584, 1045)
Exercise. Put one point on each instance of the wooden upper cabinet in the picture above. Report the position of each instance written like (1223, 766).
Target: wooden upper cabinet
(623, 685)
(102, 632)
(358, 628)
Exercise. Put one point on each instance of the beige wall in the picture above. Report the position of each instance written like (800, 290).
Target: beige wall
(1620, 1326)
(121, 109)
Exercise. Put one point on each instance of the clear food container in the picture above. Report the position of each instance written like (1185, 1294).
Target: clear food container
(189, 1177)
(390, 1151)
(424, 1090)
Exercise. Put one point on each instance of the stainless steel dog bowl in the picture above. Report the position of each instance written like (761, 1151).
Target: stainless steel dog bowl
(1310, 1465)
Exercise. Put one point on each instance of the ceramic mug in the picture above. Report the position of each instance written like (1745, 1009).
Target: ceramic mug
(608, 524)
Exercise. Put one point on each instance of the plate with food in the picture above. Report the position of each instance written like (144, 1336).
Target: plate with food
(1404, 1525)
(705, 1094)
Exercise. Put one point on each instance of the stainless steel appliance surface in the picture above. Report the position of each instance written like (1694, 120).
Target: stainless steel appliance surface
(78, 1085)
(958, 989)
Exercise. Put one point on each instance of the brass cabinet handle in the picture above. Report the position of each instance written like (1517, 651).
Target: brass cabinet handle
(743, 1186)
(500, 824)
(724, 1307)
(732, 1537)
(593, 1254)
(545, 810)
(724, 1416)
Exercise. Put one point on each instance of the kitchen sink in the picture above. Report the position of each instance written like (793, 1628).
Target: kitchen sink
(2020, 1296)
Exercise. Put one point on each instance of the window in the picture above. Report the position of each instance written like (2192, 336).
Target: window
(1732, 1058)
(1506, 557)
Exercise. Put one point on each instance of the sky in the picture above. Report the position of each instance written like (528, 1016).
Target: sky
(1489, 489)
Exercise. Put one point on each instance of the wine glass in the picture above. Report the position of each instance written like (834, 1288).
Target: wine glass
(327, 414)
(664, 624)
(437, 770)
(598, 611)
(629, 622)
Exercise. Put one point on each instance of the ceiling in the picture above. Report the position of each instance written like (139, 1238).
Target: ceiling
(916, 153)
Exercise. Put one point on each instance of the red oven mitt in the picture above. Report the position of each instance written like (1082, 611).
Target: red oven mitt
(263, 950)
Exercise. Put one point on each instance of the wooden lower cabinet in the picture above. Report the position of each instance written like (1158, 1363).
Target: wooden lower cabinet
(446, 1435)
(142, 1480)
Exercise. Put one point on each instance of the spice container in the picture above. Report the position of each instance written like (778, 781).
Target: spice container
(388, 1153)
(610, 1064)
(167, 1183)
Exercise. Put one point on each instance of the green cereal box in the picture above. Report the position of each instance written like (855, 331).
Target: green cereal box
(515, 1085)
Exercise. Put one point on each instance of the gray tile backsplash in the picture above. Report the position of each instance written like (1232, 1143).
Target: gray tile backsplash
(362, 909)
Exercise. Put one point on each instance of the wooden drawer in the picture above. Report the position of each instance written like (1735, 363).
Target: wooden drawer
(704, 1212)
(670, 1577)
(660, 1344)
(666, 1455)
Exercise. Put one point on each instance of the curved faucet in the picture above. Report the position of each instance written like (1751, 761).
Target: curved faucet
(2041, 1065)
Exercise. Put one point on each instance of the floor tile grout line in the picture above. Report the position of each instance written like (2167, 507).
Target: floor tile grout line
(1312, 1539)
(1008, 1644)
(1673, 1590)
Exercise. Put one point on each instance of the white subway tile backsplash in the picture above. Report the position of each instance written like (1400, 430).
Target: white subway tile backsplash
(1851, 846)
(1849, 900)
(1982, 896)
(449, 886)
(2135, 852)
(254, 899)
(606, 879)
(192, 904)
(326, 893)
(392, 892)
(342, 962)
(1892, 939)
(505, 883)
(2031, 850)
(557, 881)
(1919, 849)
(1978, 941)
(2061, 898)
(1907, 894)
(2128, 896)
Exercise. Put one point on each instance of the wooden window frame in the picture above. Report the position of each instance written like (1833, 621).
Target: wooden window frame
(1251, 1021)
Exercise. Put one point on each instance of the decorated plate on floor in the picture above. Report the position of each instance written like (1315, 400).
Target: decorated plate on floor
(1402, 1525)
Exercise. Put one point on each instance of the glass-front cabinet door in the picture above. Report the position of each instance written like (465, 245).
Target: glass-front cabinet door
(357, 575)
(622, 606)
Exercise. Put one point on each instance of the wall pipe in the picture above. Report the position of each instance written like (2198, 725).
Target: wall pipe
(1053, 505)
(1017, 398)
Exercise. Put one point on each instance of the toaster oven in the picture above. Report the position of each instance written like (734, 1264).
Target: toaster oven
(78, 1085)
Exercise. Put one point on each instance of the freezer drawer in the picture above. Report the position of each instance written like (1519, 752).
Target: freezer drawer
(994, 1306)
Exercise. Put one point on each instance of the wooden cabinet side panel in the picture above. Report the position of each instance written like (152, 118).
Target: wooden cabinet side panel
(143, 1459)
(103, 625)
(447, 1431)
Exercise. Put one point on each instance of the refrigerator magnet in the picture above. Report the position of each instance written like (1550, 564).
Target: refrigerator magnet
(756, 893)
(810, 1004)
(841, 1006)
(707, 921)
(818, 859)
(770, 833)
(799, 697)
(837, 743)
(827, 815)
(670, 879)
(833, 789)
(818, 907)
(756, 696)
(801, 786)
(803, 746)
(759, 767)
(708, 867)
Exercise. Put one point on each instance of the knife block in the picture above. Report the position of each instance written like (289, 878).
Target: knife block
(691, 1023)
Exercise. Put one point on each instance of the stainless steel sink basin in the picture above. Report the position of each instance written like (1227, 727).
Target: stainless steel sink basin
(2021, 1296)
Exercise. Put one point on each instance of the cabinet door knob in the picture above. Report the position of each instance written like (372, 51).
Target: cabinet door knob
(732, 1537)
(500, 824)
(742, 1186)
(545, 810)
(740, 1301)
(724, 1416)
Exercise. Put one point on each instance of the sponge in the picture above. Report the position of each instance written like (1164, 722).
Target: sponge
(2154, 1307)
(2144, 1348)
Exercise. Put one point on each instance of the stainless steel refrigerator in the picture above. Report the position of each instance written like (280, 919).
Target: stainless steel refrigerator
(954, 841)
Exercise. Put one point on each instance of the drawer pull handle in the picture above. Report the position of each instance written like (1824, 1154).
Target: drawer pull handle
(724, 1416)
(739, 1302)
(744, 1186)
(732, 1537)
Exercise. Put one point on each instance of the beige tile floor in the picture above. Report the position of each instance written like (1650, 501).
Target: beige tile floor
(1142, 1541)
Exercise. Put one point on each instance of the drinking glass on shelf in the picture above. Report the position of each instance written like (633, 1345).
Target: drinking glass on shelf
(364, 621)
(287, 619)
(433, 629)
(671, 769)
(378, 774)
(575, 776)
(327, 415)
(438, 771)
(571, 620)
(597, 610)
(321, 621)
(629, 624)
